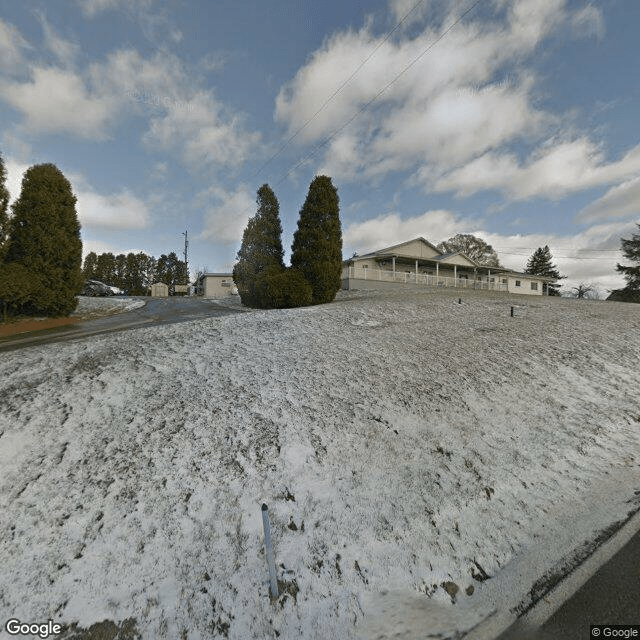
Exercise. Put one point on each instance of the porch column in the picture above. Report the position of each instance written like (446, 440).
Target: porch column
(393, 262)
(488, 279)
(455, 275)
(437, 265)
(416, 271)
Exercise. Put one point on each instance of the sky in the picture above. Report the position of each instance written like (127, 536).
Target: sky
(513, 120)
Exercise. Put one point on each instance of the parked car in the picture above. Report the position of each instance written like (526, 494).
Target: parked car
(96, 288)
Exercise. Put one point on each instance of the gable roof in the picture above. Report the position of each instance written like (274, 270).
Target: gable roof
(449, 258)
(394, 248)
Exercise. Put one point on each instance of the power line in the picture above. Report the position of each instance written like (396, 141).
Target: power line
(337, 91)
(527, 255)
(367, 104)
(561, 249)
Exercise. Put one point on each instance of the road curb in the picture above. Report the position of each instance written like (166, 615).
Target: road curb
(500, 621)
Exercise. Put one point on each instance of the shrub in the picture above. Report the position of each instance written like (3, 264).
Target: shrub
(282, 289)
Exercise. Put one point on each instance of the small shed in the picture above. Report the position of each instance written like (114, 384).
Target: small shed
(159, 290)
(216, 285)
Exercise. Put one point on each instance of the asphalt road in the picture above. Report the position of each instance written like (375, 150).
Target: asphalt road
(157, 311)
(610, 597)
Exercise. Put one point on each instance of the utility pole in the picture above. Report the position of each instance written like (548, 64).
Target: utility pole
(186, 264)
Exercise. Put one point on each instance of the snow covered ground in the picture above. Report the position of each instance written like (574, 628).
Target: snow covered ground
(403, 444)
(89, 307)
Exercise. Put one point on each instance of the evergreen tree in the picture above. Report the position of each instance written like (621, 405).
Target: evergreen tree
(631, 251)
(170, 270)
(44, 239)
(4, 207)
(261, 250)
(90, 266)
(106, 268)
(149, 266)
(121, 266)
(473, 247)
(133, 276)
(317, 244)
(541, 264)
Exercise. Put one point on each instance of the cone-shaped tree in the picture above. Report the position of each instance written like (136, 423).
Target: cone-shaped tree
(4, 206)
(631, 251)
(261, 248)
(44, 239)
(541, 264)
(317, 244)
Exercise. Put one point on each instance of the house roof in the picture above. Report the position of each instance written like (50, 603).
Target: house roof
(528, 276)
(443, 257)
(390, 251)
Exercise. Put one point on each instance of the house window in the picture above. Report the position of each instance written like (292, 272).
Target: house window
(365, 266)
(534, 286)
(518, 283)
(504, 281)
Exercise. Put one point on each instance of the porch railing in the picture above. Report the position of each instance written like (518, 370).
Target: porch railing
(383, 275)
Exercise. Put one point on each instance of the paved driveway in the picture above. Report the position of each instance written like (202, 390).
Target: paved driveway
(157, 311)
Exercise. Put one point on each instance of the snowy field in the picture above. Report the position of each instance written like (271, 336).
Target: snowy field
(425, 463)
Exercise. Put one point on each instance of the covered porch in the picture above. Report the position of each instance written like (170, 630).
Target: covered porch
(441, 271)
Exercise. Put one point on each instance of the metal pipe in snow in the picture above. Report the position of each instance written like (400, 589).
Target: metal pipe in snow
(269, 547)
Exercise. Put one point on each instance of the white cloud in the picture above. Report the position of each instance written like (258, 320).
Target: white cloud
(11, 46)
(586, 257)
(64, 50)
(554, 170)
(93, 7)
(126, 75)
(455, 125)
(588, 22)
(389, 229)
(57, 101)
(121, 210)
(621, 200)
(15, 172)
(115, 211)
(225, 221)
(456, 105)
(469, 55)
(202, 131)
(214, 61)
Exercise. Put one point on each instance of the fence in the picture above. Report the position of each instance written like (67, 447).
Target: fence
(382, 275)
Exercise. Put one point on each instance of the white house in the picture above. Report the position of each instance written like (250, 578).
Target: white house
(417, 262)
(216, 285)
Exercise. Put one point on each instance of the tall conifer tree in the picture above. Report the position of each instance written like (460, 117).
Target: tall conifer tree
(44, 241)
(4, 206)
(631, 251)
(317, 244)
(261, 248)
(541, 264)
